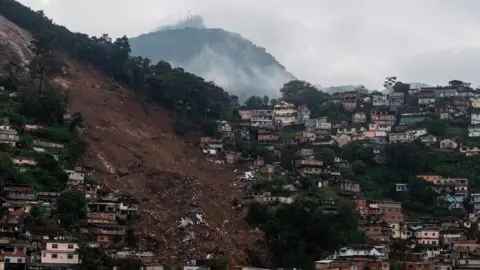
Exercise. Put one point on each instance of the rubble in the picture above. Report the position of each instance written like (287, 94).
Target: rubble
(174, 180)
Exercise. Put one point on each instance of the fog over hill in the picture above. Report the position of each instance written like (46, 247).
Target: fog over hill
(226, 58)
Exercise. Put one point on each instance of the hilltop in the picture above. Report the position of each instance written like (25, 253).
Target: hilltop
(226, 58)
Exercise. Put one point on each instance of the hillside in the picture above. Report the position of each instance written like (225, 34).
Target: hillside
(223, 57)
(137, 152)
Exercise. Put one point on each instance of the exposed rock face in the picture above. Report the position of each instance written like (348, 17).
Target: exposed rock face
(14, 44)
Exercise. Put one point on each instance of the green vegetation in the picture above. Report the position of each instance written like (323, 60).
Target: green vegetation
(195, 101)
(70, 207)
(301, 233)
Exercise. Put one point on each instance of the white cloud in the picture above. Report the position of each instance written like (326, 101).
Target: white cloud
(322, 41)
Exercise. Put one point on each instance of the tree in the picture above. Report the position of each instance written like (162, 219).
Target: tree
(93, 258)
(256, 102)
(326, 155)
(389, 82)
(46, 62)
(70, 207)
(351, 150)
(401, 87)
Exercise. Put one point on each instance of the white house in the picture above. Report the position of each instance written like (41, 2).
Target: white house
(285, 113)
(474, 131)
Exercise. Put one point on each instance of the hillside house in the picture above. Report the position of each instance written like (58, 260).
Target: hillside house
(343, 139)
(475, 117)
(60, 253)
(426, 98)
(303, 114)
(380, 101)
(316, 124)
(350, 187)
(261, 118)
(360, 251)
(448, 144)
(308, 167)
(470, 151)
(400, 137)
(24, 163)
(461, 104)
(473, 131)
(475, 102)
(267, 134)
(427, 236)
(382, 117)
(359, 117)
(379, 232)
(8, 135)
(392, 211)
(446, 186)
(351, 129)
(428, 139)
(445, 92)
(396, 100)
(475, 199)
(375, 127)
(30, 128)
(350, 100)
(106, 233)
(305, 136)
(75, 176)
(48, 144)
(245, 114)
(20, 192)
(231, 157)
(285, 113)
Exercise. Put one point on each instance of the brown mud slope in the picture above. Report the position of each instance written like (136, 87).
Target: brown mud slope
(136, 152)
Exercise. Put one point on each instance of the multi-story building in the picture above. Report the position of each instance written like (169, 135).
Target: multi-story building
(380, 101)
(400, 137)
(426, 98)
(309, 167)
(285, 113)
(474, 131)
(303, 114)
(261, 118)
(8, 135)
(447, 186)
(396, 100)
(475, 102)
(427, 236)
(445, 92)
(475, 117)
(60, 252)
(388, 211)
(359, 117)
(476, 202)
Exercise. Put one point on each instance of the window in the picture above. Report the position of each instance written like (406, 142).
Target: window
(44, 255)
(54, 245)
(70, 256)
(7, 260)
(70, 246)
(433, 234)
(19, 260)
(54, 255)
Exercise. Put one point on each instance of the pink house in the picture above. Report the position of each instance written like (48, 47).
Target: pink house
(60, 252)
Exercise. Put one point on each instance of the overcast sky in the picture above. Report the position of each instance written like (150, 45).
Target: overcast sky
(326, 42)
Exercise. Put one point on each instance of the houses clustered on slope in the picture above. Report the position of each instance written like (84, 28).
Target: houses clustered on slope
(377, 119)
(24, 246)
